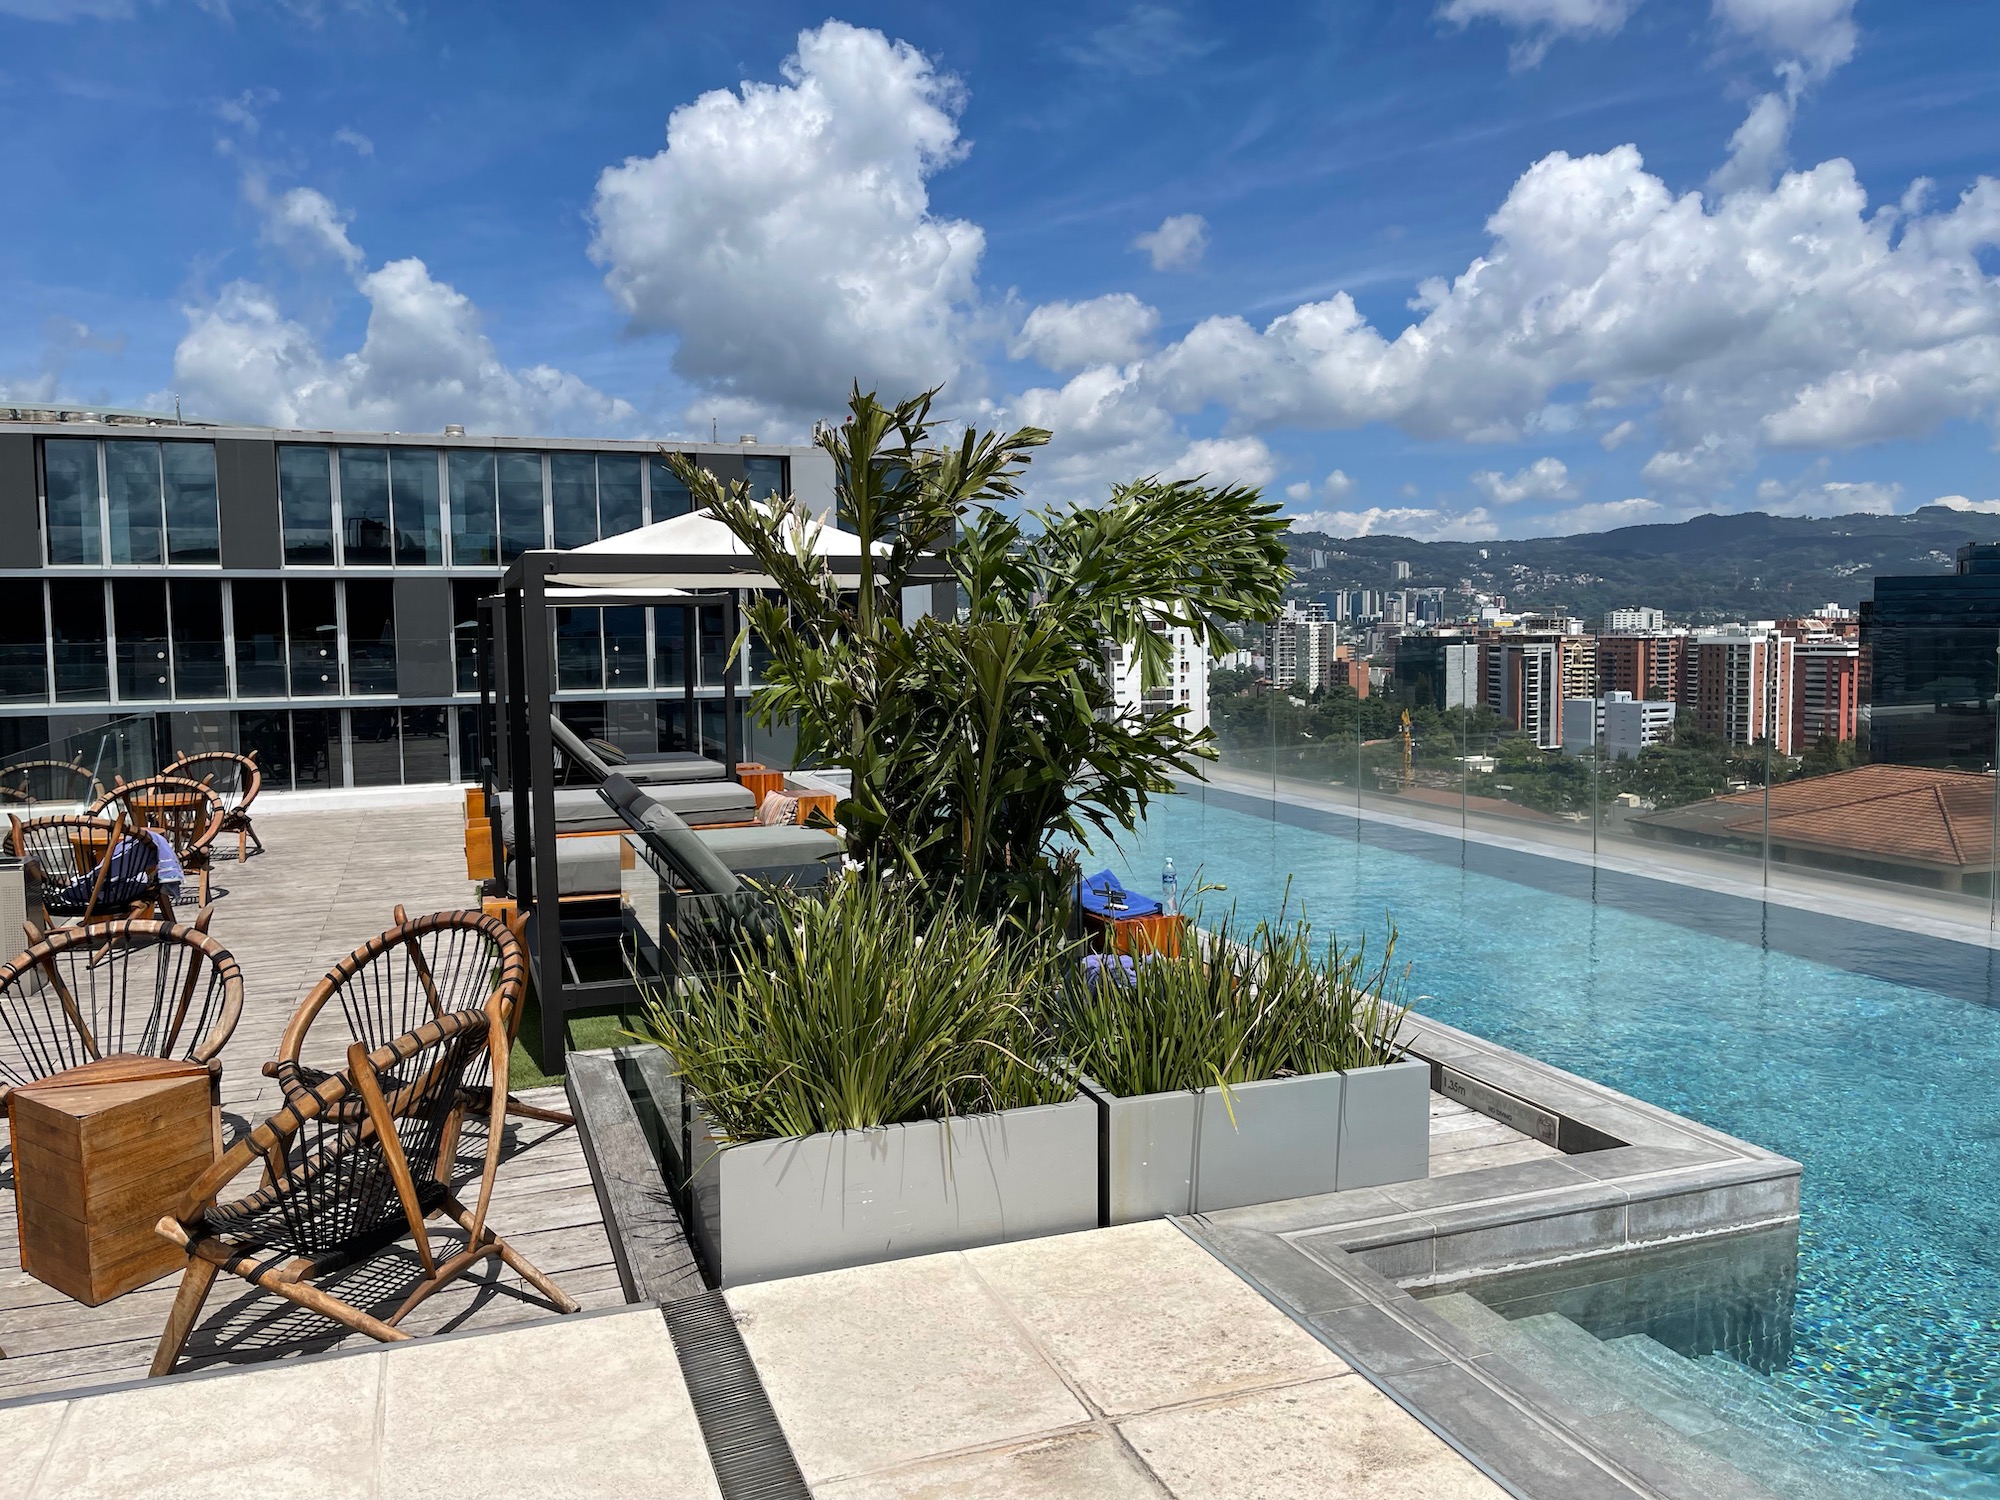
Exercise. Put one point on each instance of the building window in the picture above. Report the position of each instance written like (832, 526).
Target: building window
(132, 494)
(465, 596)
(199, 670)
(24, 676)
(76, 632)
(313, 637)
(378, 758)
(268, 736)
(317, 757)
(371, 636)
(305, 501)
(471, 753)
(625, 646)
(257, 615)
(364, 507)
(521, 528)
(573, 498)
(670, 496)
(618, 503)
(193, 531)
(766, 477)
(69, 467)
(139, 618)
(475, 533)
(413, 481)
(669, 648)
(579, 649)
(426, 749)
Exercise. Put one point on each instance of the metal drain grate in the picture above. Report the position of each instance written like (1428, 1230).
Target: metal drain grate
(747, 1447)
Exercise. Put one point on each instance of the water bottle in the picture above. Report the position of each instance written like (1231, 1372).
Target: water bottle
(1170, 890)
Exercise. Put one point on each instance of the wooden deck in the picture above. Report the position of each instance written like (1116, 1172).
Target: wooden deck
(330, 881)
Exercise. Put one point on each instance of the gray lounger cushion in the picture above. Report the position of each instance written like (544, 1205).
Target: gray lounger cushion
(674, 769)
(684, 849)
(746, 850)
(583, 867)
(582, 810)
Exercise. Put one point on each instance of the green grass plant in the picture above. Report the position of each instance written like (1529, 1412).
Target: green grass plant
(1236, 1007)
(869, 1004)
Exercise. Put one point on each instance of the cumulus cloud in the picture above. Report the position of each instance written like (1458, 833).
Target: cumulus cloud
(1065, 336)
(304, 222)
(1812, 495)
(1619, 436)
(1105, 433)
(1606, 515)
(1544, 479)
(1415, 522)
(1178, 244)
(354, 140)
(1819, 34)
(785, 235)
(1541, 23)
(1975, 507)
(1337, 487)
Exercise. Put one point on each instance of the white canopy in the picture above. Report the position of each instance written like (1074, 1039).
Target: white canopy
(694, 552)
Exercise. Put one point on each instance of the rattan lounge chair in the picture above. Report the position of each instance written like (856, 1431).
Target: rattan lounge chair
(188, 812)
(79, 863)
(352, 1166)
(237, 780)
(420, 969)
(147, 988)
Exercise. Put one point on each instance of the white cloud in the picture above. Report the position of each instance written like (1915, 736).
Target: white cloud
(1541, 22)
(354, 140)
(785, 236)
(1820, 34)
(1146, 40)
(1757, 150)
(1974, 507)
(1810, 495)
(1544, 479)
(305, 222)
(1065, 336)
(1618, 436)
(1178, 244)
(1237, 460)
(1606, 515)
(1414, 522)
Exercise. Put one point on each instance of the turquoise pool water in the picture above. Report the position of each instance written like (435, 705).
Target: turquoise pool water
(1888, 1092)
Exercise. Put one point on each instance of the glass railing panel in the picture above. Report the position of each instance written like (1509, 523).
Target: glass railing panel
(76, 768)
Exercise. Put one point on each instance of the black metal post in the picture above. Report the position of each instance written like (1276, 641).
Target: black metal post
(514, 712)
(730, 667)
(690, 664)
(536, 771)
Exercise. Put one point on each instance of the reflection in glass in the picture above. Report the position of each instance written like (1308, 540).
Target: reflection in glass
(139, 617)
(714, 648)
(573, 497)
(24, 676)
(70, 466)
(377, 758)
(305, 502)
(312, 637)
(475, 539)
(618, 501)
(470, 751)
(257, 615)
(189, 472)
(625, 646)
(413, 476)
(426, 752)
(371, 636)
(364, 506)
(520, 504)
(195, 733)
(198, 666)
(670, 496)
(132, 489)
(766, 477)
(316, 748)
(465, 596)
(579, 649)
(669, 647)
(670, 718)
(268, 736)
(76, 628)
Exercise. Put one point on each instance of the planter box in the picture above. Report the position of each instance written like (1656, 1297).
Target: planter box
(766, 1209)
(1183, 1153)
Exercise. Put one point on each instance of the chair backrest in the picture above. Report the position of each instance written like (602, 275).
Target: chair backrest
(235, 779)
(85, 865)
(417, 970)
(56, 781)
(151, 988)
(360, 1155)
(188, 812)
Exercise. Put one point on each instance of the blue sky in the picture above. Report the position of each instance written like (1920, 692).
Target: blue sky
(1467, 268)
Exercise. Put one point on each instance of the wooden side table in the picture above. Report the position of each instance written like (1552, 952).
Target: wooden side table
(1158, 933)
(101, 1152)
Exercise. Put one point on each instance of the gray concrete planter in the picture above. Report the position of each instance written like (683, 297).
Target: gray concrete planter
(1279, 1138)
(766, 1209)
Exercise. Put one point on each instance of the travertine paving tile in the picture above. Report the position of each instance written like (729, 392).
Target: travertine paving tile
(1140, 1316)
(886, 1364)
(1081, 1464)
(1338, 1439)
(25, 1435)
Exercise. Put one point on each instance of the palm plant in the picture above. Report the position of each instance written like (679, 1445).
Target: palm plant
(859, 1009)
(1236, 1008)
(980, 742)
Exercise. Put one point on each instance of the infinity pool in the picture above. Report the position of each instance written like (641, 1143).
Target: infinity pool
(1885, 1083)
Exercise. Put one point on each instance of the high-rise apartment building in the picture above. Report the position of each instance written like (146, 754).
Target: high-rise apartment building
(312, 595)
(1185, 686)
(1621, 724)
(1633, 621)
(1439, 669)
(1739, 684)
(1520, 679)
(1649, 666)
(1826, 690)
(1298, 646)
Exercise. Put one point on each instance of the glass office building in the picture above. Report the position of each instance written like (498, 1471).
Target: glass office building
(313, 595)
(1929, 644)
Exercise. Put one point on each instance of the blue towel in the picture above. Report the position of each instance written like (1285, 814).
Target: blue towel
(1097, 893)
(134, 869)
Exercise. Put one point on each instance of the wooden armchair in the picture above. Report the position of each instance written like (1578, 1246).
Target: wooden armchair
(87, 873)
(237, 780)
(420, 969)
(351, 1166)
(189, 813)
(146, 988)
(52, 781)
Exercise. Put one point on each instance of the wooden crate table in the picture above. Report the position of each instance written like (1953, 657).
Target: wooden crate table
(1154, 933)
(100, 1153)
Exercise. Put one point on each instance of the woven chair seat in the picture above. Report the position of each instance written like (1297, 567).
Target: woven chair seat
(260, 1223)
